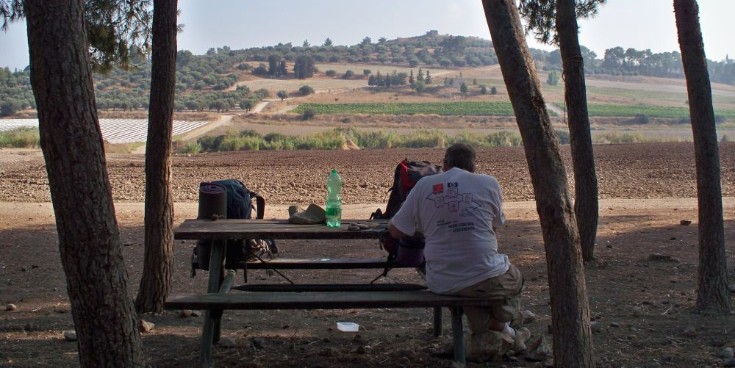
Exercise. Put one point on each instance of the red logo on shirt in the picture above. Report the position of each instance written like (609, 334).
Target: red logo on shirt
(438, 188)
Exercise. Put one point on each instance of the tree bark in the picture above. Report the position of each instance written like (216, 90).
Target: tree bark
(158, 260)
(712, 291)
(586, 207)
(568, 292)
(71, 141)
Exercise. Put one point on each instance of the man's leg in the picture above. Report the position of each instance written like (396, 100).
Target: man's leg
(506, 289)
(491, 332)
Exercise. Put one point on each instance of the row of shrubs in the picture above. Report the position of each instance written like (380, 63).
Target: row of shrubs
(343, 137)
(339, 138)
(23, 137)
(28, 137)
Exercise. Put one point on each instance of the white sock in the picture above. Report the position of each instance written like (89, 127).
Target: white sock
(509, 331)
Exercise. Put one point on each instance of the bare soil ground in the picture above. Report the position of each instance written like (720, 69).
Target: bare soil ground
(642, 288)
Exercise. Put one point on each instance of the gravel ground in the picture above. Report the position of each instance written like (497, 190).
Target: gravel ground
(641, 288)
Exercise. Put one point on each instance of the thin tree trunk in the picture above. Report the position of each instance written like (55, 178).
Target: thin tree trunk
(158, 261)
(586, 207)
(712, 291)
(89, 241)
(568, 292)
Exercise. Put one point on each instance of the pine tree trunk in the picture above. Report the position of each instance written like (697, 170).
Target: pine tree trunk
(569, 305)
(712, 291)
(158, 261)
(71, 140)
(586, 206)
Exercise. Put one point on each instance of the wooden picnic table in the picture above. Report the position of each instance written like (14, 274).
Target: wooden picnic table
(311, 296)
(221, 230)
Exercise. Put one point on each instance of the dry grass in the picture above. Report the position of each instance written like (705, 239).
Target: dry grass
(143, 114)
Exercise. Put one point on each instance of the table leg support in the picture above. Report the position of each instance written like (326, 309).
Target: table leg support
(205, 353)
(458, 335)
(211, 328)
(437, 321)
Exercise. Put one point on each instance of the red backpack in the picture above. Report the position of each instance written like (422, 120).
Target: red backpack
(406, 175)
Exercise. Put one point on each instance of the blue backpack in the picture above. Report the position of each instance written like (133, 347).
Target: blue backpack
(239, 206)
(239, 200)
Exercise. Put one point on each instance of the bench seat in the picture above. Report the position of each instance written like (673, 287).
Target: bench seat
(328, 287)
(322, 300)
(215, 303)
(320, 263)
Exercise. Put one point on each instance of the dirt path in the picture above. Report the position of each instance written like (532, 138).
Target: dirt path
(19, 214)
(259, 106)
(224, 119)
(555, 109)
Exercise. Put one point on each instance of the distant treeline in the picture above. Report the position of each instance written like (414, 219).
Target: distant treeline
(208, 82)
(619, 61)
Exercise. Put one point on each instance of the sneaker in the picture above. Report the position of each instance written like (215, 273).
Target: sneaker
(487, 346)
(528, 316)
(446, 353)
(519, 341)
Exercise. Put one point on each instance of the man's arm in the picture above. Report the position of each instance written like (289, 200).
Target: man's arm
(394, 232)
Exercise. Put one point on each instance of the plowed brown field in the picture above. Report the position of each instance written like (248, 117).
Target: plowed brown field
(660, 170)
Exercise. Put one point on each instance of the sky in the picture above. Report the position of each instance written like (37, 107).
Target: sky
(240, 24)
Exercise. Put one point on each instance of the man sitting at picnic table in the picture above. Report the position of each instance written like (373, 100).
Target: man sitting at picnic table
(457, 211)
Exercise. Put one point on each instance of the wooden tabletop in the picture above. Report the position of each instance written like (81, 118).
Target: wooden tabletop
(277, 229)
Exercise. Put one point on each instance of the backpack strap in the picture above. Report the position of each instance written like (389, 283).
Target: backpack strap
(260, 205)
(377, 215)
(390, 244)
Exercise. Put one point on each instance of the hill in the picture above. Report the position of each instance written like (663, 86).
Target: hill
(224, 79)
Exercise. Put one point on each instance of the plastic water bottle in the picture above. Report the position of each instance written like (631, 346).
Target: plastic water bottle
(334, 203)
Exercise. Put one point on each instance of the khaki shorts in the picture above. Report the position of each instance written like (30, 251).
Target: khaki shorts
(507, 289)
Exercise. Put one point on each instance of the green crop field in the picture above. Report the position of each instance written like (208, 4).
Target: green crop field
(648, 110)
(479, 108)
(633, 110)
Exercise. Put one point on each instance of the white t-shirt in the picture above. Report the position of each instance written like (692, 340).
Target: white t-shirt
(456, 211)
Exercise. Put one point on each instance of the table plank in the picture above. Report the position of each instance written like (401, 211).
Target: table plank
(328, 287)
(232, 229)
(320, 263)
(323, 300)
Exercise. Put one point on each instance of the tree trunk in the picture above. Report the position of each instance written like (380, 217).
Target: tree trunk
(89, 241)
(568, 292)
(712, 291)
(158, 261)
(586, 208)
